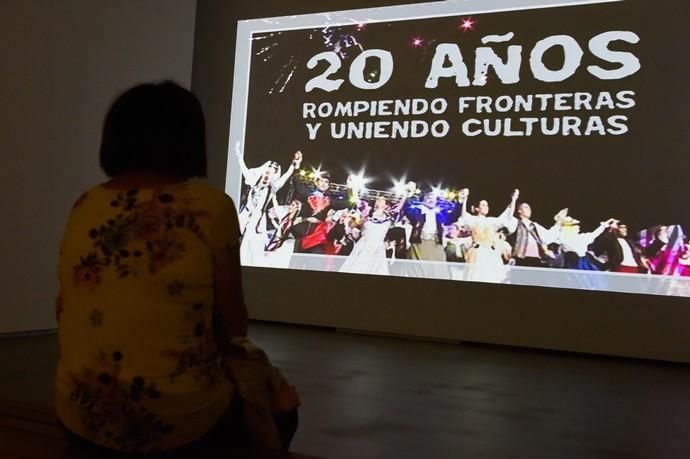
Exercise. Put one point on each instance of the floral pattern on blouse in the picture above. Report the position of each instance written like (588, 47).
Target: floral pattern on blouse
(112, 239)
(199, 355)
(113, 407)
(141, 236)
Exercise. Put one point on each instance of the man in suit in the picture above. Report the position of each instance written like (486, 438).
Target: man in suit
(624, 254)
(317, 203)
(532, 239)
(428, 218)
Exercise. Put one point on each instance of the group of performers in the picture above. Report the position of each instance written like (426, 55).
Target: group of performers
(373, 228)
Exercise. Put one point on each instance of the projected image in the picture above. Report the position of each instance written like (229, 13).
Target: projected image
(491, 147)
(372, 227)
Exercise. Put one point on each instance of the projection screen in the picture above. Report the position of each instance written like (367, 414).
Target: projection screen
(491, 146)
(436, 146)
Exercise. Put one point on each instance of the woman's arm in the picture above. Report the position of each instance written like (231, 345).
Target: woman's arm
(507, 219)
(295, 165)
(240, 160)
(465, 217)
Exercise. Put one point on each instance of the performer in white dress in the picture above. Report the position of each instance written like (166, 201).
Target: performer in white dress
(369, 254)
(264, 182)
(484, 258)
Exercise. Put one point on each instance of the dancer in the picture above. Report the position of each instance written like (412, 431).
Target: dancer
(665, 250)
(428, 218)
(264, 182)
(484, 258)
(505, 220)
(624, 255)
(398, 237)
(574, 244)
(532, 239)
(369, 253)
(312, 231)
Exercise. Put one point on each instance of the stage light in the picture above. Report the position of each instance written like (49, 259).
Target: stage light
(400, 187)
(316, 173)
(358, 182)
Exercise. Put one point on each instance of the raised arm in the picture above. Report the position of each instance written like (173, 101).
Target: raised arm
(550, 235)
(296, 162)
(603, 226)
(463, 197)
(301, 189)
(507, 219)
(466, 217)
(240, 160)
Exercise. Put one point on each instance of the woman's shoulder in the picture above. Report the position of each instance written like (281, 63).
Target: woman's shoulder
(195, 190)
(88, 195)
(214, 196)
(193, 193)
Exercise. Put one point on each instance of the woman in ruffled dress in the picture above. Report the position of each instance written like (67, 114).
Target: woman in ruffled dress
(369, 254)
(484, 258)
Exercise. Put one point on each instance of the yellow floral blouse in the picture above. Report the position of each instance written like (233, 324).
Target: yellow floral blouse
(139, 368)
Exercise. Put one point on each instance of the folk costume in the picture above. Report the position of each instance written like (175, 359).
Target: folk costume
(253, 212)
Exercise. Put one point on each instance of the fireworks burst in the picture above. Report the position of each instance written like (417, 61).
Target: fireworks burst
(287, 71)
(467, 24)
(342, 40)
(266, 49)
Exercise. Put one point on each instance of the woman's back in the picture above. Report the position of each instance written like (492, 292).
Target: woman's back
(139, 366)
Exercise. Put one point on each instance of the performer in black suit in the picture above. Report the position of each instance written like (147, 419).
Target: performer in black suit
(622, 254)
(312, 232)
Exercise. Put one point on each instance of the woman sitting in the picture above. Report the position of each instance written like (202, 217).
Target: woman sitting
(150, 296)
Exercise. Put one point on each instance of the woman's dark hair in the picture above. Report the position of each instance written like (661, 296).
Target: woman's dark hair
(155, 127)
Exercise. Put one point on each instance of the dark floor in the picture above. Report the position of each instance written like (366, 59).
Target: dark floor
(376, 397)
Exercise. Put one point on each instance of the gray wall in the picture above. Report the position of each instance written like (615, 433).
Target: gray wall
(62, 64)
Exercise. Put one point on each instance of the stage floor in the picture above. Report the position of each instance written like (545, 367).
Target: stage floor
(542, 277)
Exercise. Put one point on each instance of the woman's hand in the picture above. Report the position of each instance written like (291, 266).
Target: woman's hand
(297, 159)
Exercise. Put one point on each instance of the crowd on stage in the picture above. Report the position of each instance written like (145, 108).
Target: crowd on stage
(372, 228)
